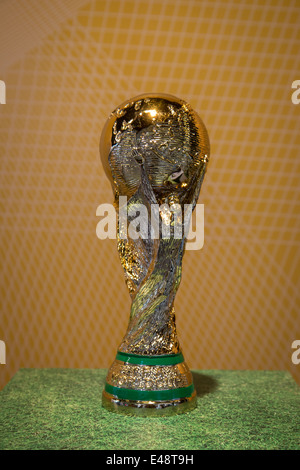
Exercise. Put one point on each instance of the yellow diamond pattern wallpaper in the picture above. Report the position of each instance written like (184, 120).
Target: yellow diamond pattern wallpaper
(66, 65)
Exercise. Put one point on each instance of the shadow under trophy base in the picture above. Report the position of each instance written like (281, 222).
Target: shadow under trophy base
(154, 149)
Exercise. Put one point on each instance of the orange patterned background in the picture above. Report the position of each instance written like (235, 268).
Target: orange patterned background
(66, 65)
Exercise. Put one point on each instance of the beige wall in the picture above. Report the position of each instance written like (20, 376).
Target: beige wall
(67, 65)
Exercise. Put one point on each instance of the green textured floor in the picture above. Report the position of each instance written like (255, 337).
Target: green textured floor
(61, 409)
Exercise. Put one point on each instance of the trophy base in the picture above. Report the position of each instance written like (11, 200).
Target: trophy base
(149, 408)
(159, 385)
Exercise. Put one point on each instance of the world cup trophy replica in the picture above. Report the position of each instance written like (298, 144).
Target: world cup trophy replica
(154, 149)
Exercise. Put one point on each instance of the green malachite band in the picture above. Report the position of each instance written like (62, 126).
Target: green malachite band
(163, 360)
(150, 395)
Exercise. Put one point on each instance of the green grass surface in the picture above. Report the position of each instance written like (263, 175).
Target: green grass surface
(61, 409)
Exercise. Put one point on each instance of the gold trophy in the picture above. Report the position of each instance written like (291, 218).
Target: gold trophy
(154, 149)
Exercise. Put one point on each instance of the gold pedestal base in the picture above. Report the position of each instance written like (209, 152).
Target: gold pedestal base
(149, 385)
(149, 408)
